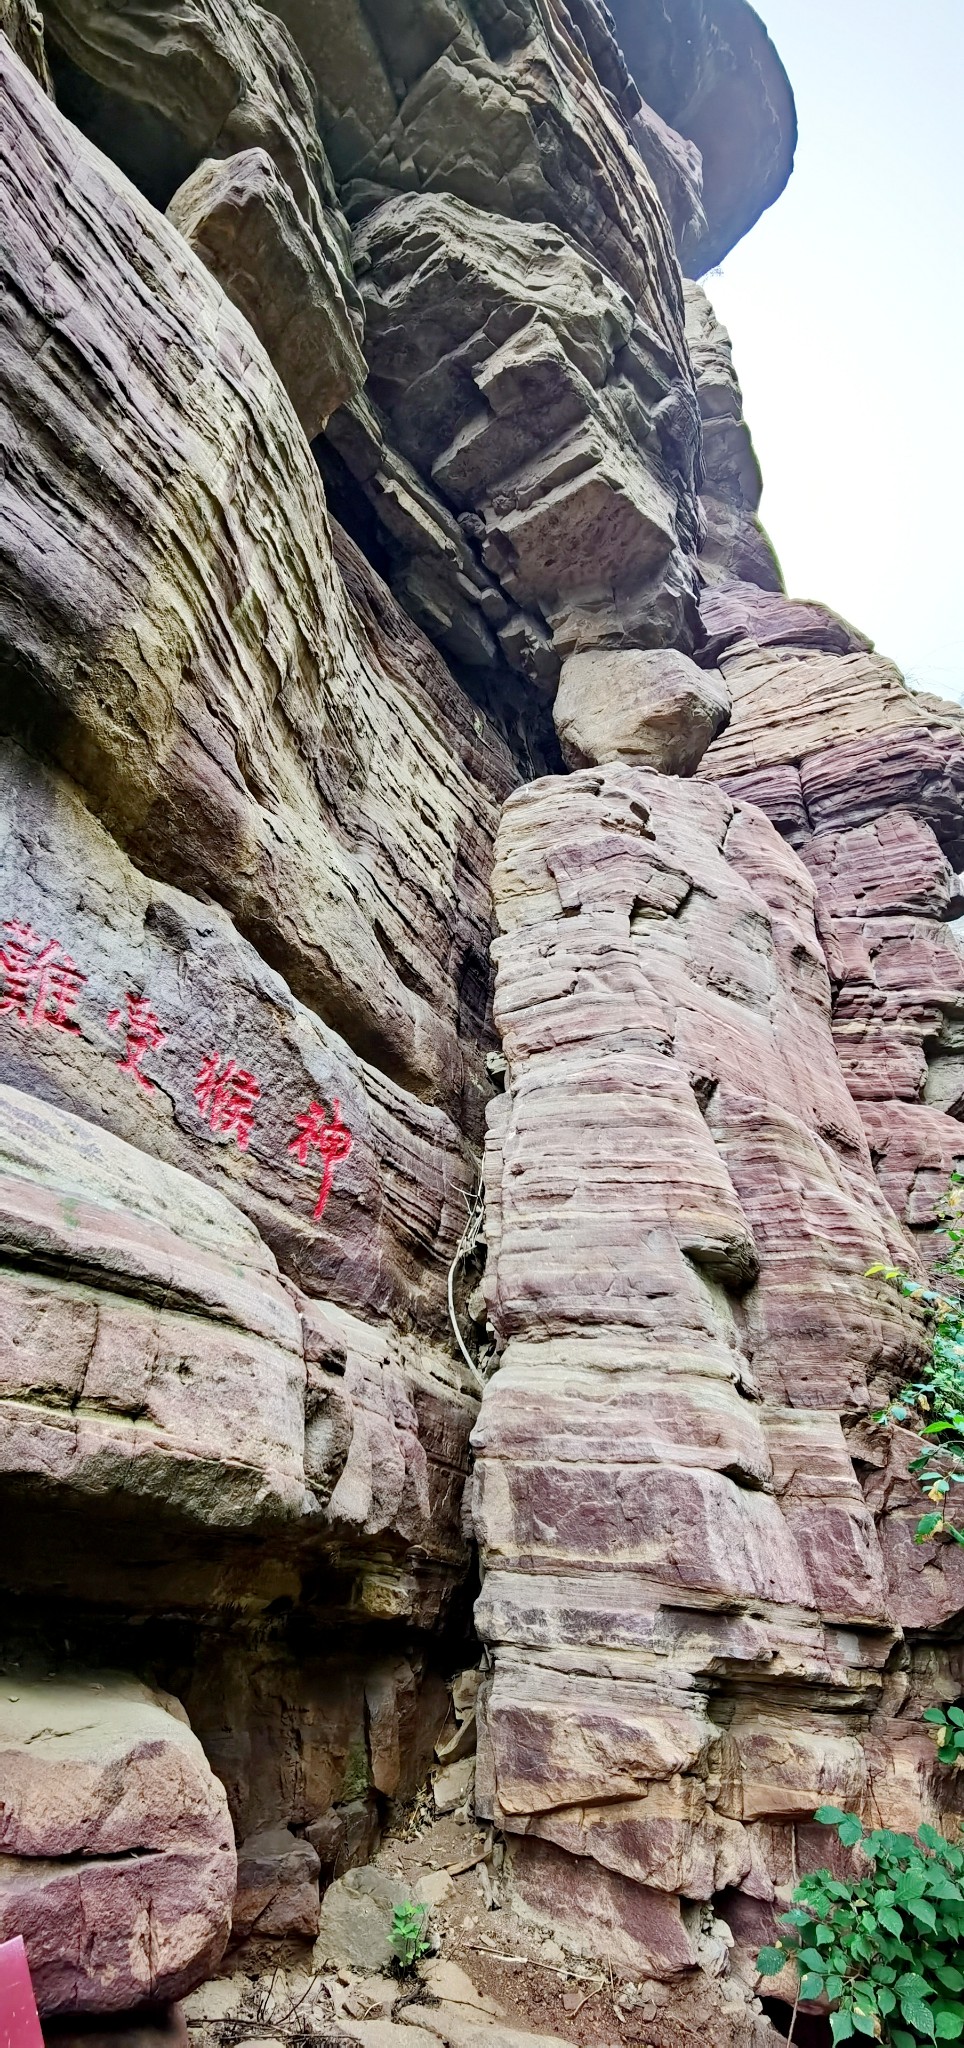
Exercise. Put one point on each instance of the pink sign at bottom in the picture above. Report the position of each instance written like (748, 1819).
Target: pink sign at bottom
(19, 2022)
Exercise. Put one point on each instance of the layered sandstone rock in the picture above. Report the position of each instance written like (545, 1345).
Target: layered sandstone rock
(249, 817)
(682, 1204)
(278, 738)
(532, 478)
(865, 777)
(229, 1418)
(734, 545)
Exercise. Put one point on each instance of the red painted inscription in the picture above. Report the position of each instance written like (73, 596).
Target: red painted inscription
(42, 981)
(225, 1095)
(143, 1033)
(332, 1141)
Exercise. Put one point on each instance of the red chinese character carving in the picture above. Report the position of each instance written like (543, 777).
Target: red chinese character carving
(43, 982)
(226, 1098)
(332, 1141)
(144, 1034)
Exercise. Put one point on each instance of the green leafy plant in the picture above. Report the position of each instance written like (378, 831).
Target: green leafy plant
(408, 1939)
(885, 1946)
(933, 1406)
(949, 1729)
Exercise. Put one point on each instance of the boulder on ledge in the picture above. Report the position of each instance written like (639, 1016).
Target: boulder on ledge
(652, 707)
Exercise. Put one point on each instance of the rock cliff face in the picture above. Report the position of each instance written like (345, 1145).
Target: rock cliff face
(380, 567)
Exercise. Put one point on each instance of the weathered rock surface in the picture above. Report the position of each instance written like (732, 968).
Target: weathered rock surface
(242, 219)
(153, 1355)
(356, 1920)
(248, 822)
(167, 982)
(817, 712)
(865, 777)
(734, 545)
(150, 1347)
(22, 23)
(117, 1861)
(652, 709)
(543, 403)
(682, 1202)
(277, 732)
(277, 1885)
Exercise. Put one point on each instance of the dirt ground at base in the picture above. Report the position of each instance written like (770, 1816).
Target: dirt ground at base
(519, 1976)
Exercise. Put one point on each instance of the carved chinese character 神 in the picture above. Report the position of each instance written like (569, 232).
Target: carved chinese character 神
(226, 1097)
(144, 1034)
(332, 1141)
(42, 981)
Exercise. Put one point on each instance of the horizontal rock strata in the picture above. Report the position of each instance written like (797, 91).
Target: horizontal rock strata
(682, 1204)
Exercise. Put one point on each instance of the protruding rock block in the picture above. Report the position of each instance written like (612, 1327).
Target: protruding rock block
(523, 378)
(710, 69)
(652, 709)
(277, 1886)
(241, 218)
(160, 92)
(152, 1352)
(117, 1857)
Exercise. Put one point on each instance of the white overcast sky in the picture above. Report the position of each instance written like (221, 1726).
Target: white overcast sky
(846, 310)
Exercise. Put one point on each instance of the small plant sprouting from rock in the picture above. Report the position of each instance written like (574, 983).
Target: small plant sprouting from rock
(408, 1939)
(885, 1947)
(949, 1730)
(934, 1404)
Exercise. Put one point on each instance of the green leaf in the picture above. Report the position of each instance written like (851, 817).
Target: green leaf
(864, 2023)
(812, 1959)
(918, 2016)
(811, 1985)
(952, 1980)
(910, 1885)
(835, 1986)
(842, 2027)
(923, 1912)
(850, 1830)
(949, 2026)
(891, 1920)
(770, 1961)
(828, 1816)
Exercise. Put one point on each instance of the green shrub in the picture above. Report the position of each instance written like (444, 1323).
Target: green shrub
(934, 1404)
(408, 1934)
(886, 1947)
